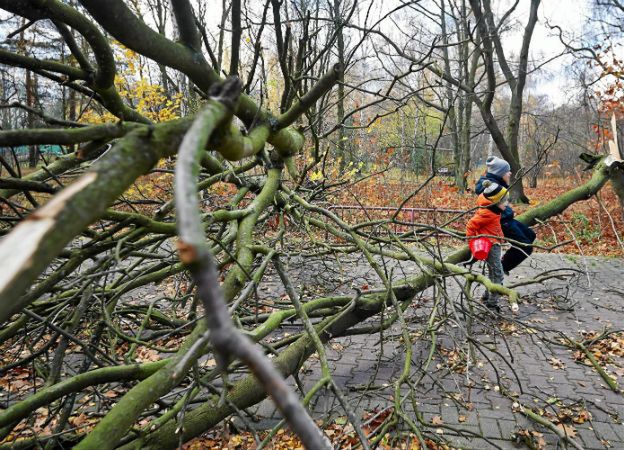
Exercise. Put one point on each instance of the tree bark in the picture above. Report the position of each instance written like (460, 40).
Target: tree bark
(342, 144)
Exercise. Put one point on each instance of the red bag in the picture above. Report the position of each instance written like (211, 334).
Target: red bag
(480, 248)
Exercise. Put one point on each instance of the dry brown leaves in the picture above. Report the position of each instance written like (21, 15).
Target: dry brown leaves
(564, 416)
(595, 235)
(144, 354)
(515, 329)
(567, 430)
(18, 380)
(455, 360)
(608, 352)
(437, 420)
(340, 432)
(532, 439)
(556, 363)
(40, 423)
(342, 436)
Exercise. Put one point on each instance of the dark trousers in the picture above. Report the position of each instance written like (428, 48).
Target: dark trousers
(517, 253)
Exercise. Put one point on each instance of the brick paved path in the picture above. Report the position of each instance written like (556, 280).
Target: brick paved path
(474, 412)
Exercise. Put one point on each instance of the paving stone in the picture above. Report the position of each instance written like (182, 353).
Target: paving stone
(432, 409)
(341, 381)
(589, 439)
(485, 412)
(507, 427)
(605, 431)
(619, 428)
(471, 443)
(489, 427)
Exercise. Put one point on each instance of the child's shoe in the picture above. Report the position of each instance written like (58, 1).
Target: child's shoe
(491, 302)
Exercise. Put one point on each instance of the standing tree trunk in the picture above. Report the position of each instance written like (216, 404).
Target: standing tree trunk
(469, 62)
(160, 16)
(236, 37)
(31, 96)
(341, 148)
(617, 181)
(450, 102)
(507, 142)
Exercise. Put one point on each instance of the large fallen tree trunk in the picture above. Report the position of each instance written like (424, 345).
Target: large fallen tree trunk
(248, 391)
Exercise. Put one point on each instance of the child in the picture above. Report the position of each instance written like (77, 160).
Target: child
(487, 221)
(499, 172)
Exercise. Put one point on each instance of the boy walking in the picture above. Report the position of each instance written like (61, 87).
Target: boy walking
(487, 221)
(499, 172)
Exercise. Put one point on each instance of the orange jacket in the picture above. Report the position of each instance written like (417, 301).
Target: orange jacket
(484, 221)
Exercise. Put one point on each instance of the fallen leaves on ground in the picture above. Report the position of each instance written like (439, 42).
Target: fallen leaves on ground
(340, 432)
(607, 351)
(561, 415)
(337, 347)
(582, 417)
(455, 359)
(18, 380)
(39, 424)
(532, 439)
(556, 363)
(589, 222)
(145, 354)
(567, 430)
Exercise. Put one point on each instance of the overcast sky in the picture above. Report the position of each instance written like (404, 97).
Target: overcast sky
(571, 16)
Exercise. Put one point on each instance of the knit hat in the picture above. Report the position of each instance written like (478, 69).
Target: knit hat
(494, 192)
(497, 166)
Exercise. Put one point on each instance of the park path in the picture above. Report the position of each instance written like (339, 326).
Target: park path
(467, 407)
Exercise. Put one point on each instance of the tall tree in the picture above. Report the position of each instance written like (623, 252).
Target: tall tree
(493, 54)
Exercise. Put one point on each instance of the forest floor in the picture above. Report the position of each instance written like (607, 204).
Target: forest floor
(592, 227)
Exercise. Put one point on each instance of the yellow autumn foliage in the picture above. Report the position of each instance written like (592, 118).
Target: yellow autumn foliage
(150, 100)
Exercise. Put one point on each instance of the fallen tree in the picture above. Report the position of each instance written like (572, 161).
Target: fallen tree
(70, 269)
(247, 392)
